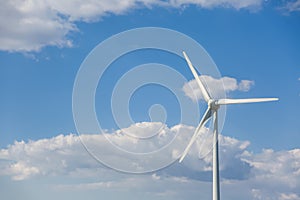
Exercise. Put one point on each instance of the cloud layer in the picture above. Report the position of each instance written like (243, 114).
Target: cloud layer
(30, 25)
(293, 6)
(33, 24)
(266, 175)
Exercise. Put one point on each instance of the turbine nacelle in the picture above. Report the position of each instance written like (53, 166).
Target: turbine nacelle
(213, 104)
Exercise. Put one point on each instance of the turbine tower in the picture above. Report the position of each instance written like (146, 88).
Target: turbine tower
(212, 111)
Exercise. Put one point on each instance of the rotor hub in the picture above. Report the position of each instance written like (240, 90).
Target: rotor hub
(213, 104)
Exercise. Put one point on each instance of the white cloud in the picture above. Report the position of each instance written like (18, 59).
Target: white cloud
(293, 6)
(245, 85)
(291, 196)
(22, 170)
(66, 155)
(266, 175)
(29, 25)
(217, 87)
(282, 166)
(249, 4)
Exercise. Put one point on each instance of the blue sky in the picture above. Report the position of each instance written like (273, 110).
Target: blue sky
(42, 46)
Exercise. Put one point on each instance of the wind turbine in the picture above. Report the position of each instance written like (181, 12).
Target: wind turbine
(212, 111)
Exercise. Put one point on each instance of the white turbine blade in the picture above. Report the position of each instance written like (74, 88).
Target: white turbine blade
(199, 82)
(204, 119)
(239, 101)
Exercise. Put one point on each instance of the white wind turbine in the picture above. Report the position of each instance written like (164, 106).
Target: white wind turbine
(212, 110)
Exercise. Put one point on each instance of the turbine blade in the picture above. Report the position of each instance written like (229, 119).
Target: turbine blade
(239, 101)
(203, 121)
(199, 82)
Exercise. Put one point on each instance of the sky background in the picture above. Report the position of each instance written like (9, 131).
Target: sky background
(254, 43)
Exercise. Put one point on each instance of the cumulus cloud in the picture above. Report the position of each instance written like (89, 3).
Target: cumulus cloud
(51, 156)
(216, 87)
(293, 6)
(282, 166)
(291, 196)
(119, 150)
(220, 3)
(266, 175)
(245, 85)
(66, 155)
(29, 25)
